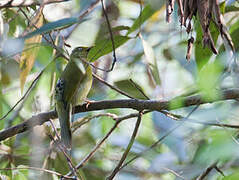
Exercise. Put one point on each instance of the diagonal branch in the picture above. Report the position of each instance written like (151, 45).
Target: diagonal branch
(23, 3)
(131, 142)
(139, 105)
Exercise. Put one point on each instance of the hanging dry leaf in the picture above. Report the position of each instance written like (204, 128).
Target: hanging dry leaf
(28, 57)
(190, 47)
(205, 18)
(208, 12)
(169, 9)
(221, 25)
(151, 62)
(180, 11)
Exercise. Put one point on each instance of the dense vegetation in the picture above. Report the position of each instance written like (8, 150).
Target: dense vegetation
(164, 99)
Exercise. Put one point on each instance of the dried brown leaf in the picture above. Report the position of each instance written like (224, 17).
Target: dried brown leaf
(221, 25)
(190, 47)
(28, 57)
(204, 17)
(169, 9)
(180, 11)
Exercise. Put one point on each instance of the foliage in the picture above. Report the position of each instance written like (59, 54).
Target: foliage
(150, 64)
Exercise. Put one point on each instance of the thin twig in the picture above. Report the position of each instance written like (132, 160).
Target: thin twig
(49, 151)
(111, 36)
(68, 159)
(51, 43)
(219, 170)
(139, 105)
(27, 92)
(131, 116)
(111, 86)
(157, 142)
(24, 96)
(69, 162)
(15, 114)
(28, 3)
(139, 89)
(87, 11)
(118, 120)
(37, 169)
(207, 171)
(179, 118)
(173, 172)
(78, 123)
(97, 146)
(131, 142)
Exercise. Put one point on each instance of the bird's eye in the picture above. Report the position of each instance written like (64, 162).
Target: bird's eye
(79, 48)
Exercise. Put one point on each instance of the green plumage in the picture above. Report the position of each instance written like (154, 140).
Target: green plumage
(72, 87)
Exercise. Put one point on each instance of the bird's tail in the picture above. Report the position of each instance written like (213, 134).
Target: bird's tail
(64, 114)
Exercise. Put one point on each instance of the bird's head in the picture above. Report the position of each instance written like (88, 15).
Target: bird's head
(80, 52)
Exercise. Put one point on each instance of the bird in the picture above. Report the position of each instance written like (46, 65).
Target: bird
(72, 87)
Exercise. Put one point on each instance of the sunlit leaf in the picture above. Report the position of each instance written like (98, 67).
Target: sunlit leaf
(233, 176)
(151, 61)
(104, 47)
(145, 14)
(15, 19)
(219, 146)
(208, 80)
(62, 23)
(131, 88)
(175, 103)
(105, 34)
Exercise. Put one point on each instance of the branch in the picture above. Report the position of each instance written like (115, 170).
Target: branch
(139, 105)
(97, 146)
(126, 152)
(111, 86)
(159, 140)
(37, 169)
(118, 120)
(24, 3)
(207, 171)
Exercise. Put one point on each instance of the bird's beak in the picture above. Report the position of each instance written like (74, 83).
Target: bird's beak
(89, 48)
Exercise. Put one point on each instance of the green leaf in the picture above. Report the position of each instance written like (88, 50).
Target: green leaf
(218, 146)
(208, 80)
(234, 176)
(202, 55)
(175, 103)
(14, 20)
(223, 7)
(44, 54)
(120, 28)
(104, 47)
(19, 176)
(62, 23)
(130, 88)
(145, 14)
(136, 58)
(23, 169)
(231, 8)
(105, 34)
